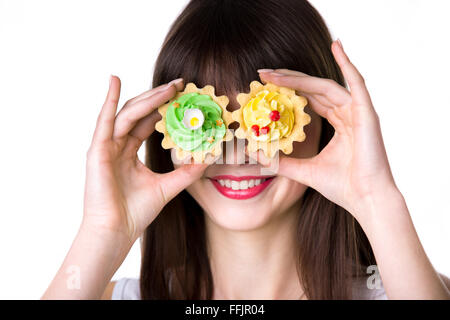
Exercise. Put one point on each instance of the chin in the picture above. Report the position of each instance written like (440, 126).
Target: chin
(241, 204)
(242, 217)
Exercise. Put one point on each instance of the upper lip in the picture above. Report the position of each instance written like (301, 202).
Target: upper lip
(239, 178)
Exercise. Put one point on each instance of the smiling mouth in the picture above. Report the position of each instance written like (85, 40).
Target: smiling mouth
(241, 188)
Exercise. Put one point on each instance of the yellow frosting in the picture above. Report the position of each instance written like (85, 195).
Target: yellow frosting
(257, 111)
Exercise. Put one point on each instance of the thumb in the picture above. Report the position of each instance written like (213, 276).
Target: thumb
(175, 181)
(300, 170)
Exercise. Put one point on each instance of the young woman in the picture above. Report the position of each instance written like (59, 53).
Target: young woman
(330, 212)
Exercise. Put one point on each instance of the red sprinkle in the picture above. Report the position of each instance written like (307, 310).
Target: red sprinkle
(255, 129)
(274, 115)
(265, 130)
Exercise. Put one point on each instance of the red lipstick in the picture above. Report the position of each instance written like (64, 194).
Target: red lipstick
(243, 194)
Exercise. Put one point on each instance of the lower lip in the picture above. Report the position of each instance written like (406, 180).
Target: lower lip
(241, 194)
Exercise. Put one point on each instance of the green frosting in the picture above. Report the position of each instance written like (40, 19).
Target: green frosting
(195, 140)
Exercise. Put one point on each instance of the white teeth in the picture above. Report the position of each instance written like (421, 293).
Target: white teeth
(241, 185)
(235, 185)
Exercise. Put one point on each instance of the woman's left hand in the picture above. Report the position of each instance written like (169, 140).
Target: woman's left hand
(353, 167)
(353, 172)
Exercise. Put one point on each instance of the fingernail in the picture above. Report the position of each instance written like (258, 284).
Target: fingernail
(340, 43)
(110, 79)
(176, 81)
(274, 73)
(264, 70)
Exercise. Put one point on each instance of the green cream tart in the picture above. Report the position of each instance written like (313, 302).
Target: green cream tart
(205, 136)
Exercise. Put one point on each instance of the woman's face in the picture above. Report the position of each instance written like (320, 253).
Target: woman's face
(242, 195)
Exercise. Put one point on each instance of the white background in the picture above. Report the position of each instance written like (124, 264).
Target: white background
(55, 62)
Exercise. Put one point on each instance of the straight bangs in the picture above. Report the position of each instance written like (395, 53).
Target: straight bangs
(224, 49)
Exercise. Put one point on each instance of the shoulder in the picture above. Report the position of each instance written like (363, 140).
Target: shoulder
(445, 280)
(363, 290)
(126, 289)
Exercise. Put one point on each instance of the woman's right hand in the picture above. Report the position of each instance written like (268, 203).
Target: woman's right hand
(122, 196)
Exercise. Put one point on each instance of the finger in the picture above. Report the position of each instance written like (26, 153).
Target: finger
(316, 101)
(289, 72)
(304, 83)
(105, 121)
(126, 119)
(324, 105)
(178, 83)
(321, 109)
(143, 129)
(175, 181)
(321, 96)
(300, 170)
(338, 123)
(354, 79)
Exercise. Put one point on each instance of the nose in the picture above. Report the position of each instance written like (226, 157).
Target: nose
(234, 152)
(232, 104)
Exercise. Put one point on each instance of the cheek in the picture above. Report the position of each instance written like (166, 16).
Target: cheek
(309, 147)
(287, 194)
(196, 190)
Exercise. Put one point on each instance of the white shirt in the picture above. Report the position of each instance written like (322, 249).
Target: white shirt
(128, 289)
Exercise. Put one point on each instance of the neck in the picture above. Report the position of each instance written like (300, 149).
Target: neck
(257, 264)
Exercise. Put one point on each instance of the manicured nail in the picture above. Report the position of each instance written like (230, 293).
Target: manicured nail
(277, 74)
(176, 81)
(340, 43)
(264, 70)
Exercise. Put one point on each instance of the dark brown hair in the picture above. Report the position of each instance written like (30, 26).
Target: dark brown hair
(223, 43)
